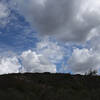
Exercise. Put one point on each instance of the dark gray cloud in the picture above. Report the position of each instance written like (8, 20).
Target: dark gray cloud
(67, 20)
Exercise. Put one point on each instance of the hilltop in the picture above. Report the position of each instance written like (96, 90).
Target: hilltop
(46, 86)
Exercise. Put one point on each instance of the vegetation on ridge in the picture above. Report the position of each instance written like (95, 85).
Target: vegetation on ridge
(48, 86)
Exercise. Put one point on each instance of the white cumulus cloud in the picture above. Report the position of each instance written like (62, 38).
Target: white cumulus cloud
(33, 62)
(51, 50)
(83, 60)
(9, 65)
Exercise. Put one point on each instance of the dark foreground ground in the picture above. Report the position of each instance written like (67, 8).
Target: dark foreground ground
(49, 87)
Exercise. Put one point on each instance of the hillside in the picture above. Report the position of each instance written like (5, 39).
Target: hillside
(48, 86)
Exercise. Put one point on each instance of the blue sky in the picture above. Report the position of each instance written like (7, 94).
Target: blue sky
(13, 35)
(49, 36)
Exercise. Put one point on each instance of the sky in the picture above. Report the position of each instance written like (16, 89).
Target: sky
(57, 36)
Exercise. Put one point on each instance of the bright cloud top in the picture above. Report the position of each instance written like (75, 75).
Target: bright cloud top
(51, 50)
(83, 60)
(28, 61)
(9, 65)
(33, 62)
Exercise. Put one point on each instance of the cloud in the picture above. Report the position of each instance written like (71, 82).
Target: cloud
(51, 50)
(67, 20)
(9, 65)
(4, 14)
(27, 61)
(83, 60)
(33, 62)
(94, 43)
